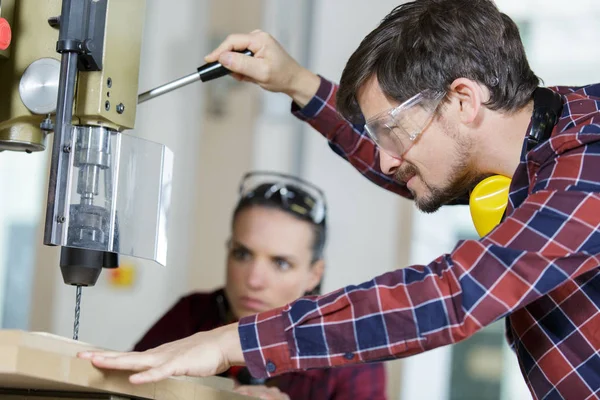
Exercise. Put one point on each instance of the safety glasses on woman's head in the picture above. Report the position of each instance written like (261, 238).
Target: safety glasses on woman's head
(396, 129)
(296, 195)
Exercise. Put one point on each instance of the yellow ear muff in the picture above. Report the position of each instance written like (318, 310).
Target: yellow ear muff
(487, 203)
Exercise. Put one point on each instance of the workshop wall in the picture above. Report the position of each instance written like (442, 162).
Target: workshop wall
(229, 111)
(21, 188)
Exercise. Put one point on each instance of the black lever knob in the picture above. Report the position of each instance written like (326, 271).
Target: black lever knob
(215, 69)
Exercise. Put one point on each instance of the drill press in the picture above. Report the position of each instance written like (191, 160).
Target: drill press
(71, 68)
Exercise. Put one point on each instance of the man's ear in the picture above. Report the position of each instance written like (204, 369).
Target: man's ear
(316, 274)
(470, 96)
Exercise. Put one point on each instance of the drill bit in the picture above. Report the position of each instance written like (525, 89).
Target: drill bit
(77, 311)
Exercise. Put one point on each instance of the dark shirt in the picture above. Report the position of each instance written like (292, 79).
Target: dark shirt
(199, 312)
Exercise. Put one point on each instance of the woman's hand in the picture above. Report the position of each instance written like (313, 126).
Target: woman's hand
(262, 392)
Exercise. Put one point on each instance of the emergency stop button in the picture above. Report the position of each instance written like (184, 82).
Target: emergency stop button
(5, 34)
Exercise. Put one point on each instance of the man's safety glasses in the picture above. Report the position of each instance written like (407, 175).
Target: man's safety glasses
(395, 130)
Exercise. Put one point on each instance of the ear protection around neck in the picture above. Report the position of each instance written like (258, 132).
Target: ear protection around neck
(489, 198)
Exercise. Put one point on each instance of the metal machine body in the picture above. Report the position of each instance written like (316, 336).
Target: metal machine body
(95, 48)
(72, 69)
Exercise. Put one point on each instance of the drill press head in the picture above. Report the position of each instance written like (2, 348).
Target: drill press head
(89, 229)
(72, 70)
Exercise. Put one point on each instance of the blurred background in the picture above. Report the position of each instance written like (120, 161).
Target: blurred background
(220, 130)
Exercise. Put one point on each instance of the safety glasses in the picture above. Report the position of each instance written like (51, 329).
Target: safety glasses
(294, 194)
(395, 130)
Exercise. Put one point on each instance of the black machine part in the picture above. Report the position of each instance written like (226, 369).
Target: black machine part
(82, 267)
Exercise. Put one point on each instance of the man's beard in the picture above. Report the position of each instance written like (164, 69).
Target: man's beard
(462, 178)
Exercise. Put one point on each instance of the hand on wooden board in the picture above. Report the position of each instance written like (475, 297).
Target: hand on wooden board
(203, 354)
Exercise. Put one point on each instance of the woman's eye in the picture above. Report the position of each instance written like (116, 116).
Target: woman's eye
(240, 254)
(282, 264)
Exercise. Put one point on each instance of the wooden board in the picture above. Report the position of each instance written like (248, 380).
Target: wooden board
(33, 360)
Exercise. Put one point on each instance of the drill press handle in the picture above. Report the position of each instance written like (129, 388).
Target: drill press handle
(215, 69)
(204, 73)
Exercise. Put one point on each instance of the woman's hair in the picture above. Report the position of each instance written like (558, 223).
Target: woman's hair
(276, 202)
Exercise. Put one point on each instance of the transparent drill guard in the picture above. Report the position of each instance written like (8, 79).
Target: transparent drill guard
(130, 179)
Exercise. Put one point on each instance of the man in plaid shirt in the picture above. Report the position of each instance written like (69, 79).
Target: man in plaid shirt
(444, 90)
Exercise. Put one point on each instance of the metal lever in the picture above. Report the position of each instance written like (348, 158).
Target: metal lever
(204, 73)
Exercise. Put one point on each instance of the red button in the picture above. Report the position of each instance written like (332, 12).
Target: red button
(5, 34)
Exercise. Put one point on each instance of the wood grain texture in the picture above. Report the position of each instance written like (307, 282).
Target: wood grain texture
(32, 360)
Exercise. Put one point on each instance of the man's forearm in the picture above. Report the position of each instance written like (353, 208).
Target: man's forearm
(303, 87)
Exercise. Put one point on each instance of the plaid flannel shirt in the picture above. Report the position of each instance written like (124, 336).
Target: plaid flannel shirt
(538, 269)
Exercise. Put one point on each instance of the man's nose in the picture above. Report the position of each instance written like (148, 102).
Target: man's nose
(388, 164)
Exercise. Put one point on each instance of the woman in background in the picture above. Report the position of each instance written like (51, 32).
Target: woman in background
(275, 255)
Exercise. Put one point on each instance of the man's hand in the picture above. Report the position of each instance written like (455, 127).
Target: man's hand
(272, 68)
(262, 392)
(202, 354)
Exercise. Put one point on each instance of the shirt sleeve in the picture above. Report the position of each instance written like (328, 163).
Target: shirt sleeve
(550, 238)
(349, 141)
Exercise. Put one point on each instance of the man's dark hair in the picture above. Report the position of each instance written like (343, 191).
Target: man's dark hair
(427, 44)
